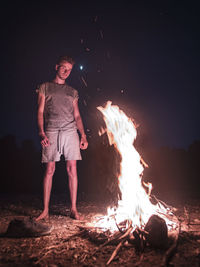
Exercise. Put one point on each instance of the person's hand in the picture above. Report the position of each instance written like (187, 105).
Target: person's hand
(44, 140)
(84, 142)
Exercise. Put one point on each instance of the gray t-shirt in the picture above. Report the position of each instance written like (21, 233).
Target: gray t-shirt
(58, 110)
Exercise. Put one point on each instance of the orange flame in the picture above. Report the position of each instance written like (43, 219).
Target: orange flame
(135, 204)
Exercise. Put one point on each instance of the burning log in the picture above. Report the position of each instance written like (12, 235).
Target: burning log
(157, 236)
(157, 232)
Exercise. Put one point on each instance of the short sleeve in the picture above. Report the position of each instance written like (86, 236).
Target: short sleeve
(41, 89)
(76, 96)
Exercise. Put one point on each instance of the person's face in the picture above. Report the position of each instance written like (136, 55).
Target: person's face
(63, 70)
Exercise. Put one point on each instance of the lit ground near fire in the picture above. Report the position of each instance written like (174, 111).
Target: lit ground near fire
(66, 246)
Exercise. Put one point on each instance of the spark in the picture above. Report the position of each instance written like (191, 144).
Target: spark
(84, 81)
(101, 33)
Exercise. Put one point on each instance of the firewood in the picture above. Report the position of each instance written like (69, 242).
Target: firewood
(158, 232)
(139, 242)
(160, 202)
(174, 235)
(115, 251)
(126, 233)
(124, 223)
(115, 237)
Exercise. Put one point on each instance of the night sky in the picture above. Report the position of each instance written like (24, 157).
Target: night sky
(143, 56)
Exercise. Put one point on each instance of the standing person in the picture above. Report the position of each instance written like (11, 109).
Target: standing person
(58, 120)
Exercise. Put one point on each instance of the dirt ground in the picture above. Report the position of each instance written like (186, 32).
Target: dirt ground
(66, 246)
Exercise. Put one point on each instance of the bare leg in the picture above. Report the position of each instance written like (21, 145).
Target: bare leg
(73, 185)
(47, 184)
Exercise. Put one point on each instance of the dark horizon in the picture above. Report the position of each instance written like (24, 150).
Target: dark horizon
(174, 173)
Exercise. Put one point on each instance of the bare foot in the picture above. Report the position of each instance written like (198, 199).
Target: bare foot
(43, 215)
(75, 215)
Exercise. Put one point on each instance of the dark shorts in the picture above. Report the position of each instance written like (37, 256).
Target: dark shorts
(62, 143)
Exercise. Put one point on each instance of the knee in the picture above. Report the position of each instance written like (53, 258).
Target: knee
(71, 169)
(50, 170)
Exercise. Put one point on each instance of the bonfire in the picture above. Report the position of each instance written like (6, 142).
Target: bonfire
(135, 218)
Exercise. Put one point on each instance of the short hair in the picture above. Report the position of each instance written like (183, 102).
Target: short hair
(65, 58)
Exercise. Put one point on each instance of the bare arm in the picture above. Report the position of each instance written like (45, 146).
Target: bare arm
(40, 120)
(79, 123)
(40, 114)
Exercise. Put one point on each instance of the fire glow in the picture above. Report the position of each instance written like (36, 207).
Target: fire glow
(134, 205)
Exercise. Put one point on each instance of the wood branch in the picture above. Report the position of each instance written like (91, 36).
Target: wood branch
(126, 233)
(138, 236)
(115, 251)
(171, 218)
(120, 230)
(43, 256)
(163, 203)
(172, 249)
(114, 238)
(83, 257)
(170, 252)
